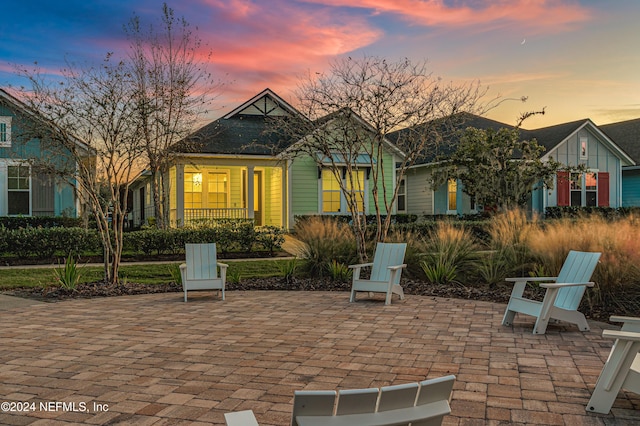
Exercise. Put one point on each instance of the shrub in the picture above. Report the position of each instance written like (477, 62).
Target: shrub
(617, 275)
(288, 269)
(441, 272)
(45, 242)
(449, 252)
(339, 271)
(325, 239)
(270, 238)
(509, 233)
(68, 276)
(16, 222)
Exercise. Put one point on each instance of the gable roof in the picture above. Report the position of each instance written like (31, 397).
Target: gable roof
(450, 129)
(551, 137)
(244, 130)
(14, 102)
(626, 134)
(548, 137)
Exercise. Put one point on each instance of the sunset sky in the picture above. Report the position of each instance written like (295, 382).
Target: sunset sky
(579, 59)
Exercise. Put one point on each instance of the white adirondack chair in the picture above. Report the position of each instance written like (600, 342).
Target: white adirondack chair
(419, 404)
(622, 369)
(386, 269)
(200, 270)
(562, 297)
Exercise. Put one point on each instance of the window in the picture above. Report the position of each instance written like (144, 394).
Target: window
(18, 186)
(591, 189)
(575, 185)
(452, 191)
(330, 192)
(584, 189)
(332, 197)
(584, 152)
(402, 196)
(192, 190)
(5, 131)
(357, 187)
(217, 190)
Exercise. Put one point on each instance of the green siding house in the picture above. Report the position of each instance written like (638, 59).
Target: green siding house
(236, 171)
(23, 191)
(576, 143)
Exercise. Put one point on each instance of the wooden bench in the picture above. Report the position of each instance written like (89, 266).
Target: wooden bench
(390, 405)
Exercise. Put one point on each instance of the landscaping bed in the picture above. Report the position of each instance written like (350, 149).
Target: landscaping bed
(497, 294)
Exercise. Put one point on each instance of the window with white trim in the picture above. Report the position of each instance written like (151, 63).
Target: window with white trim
(5, 131)
(18, 190)
(401, 200)
(355, 186)
(452, 195)
(584, 189)
(217, 193)
(192, 190)
(584, 148)
(332, 199)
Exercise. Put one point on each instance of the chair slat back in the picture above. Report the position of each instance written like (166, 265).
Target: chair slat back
(398, 396)
(312, 403)
(357, 401)
(433, 390)
(201, 260)
(387, 254)
(577, 268)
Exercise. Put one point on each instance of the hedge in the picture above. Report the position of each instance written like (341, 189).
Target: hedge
(47, 242)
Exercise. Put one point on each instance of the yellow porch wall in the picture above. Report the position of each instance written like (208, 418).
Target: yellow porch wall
(272, 189)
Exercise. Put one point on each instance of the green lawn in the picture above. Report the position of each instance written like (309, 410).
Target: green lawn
(148, 273)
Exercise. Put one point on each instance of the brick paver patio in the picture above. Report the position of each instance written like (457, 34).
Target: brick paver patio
(155, 360)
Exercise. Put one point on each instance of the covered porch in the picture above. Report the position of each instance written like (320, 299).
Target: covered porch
(210, 190)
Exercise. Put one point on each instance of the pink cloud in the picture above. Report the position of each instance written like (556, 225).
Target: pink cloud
(542, 14)
(270, 44)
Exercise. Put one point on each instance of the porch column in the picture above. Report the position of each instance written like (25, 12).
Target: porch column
(179, 194)
(250, 191)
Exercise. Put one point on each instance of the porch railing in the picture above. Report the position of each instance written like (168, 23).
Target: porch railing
(230, 213)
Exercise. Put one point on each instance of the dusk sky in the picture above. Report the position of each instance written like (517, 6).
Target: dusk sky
(578, 58)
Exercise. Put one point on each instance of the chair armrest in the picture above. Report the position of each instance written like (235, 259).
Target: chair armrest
(561, 285)
(624, 335)
(360, 265)
(183, 266)
(532, 279)
(240, 418)
(628, 323)
(632, 320)
(396, 267)
(222, 265)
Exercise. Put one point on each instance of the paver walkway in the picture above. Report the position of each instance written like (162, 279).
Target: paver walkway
(155, 360)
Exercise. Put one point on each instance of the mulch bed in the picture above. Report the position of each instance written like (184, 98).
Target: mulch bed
(497, 294)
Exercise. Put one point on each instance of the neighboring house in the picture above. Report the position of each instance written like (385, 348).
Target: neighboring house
(626, 134)
(236, 172)
(24, 191)
(577, 143)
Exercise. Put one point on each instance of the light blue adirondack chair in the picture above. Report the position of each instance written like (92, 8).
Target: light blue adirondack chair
(424, 403)
(200, 270)
(386, 269)
(622, 369)
(562, 297)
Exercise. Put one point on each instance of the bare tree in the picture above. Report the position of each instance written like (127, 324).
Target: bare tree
(172, 89)
(88, 131)
(354, 108)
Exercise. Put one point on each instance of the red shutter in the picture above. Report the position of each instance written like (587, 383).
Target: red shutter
(603, 189)
(563, 189)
